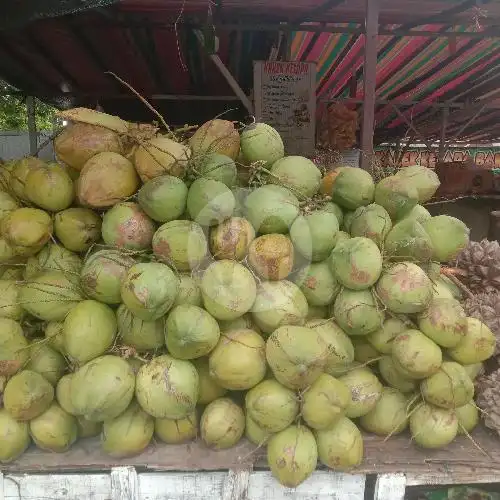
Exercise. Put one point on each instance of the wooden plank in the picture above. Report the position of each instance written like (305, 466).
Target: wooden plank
(235, 485)
(390, 487)
(124, 484)
(2, 496)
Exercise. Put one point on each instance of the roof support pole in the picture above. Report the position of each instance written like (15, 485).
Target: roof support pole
(33, 136)
(442, 139)
(370, 81)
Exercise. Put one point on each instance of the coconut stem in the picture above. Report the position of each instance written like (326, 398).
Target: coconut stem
(452, 276)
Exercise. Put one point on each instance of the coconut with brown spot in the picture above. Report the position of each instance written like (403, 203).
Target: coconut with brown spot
(271, 256)
(231, 239)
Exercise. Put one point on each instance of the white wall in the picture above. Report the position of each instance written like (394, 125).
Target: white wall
(14, 144)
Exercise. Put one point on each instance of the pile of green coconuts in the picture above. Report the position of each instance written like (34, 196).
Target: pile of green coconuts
(210, 287)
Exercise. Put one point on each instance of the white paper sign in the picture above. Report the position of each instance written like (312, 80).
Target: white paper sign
(285, 98)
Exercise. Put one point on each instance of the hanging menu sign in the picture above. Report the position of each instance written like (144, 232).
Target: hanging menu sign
(285, 98)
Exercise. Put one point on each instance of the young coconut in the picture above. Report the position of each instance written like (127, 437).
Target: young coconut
(177, 431)
(404, 288)
(298, 174)
(231, 239)
(468, 418)
(433, 427)
(397, 195)
(228, 290)
(334, 209)
(215, 136)
(137, 333)
(180, 243)
(318, 284)
(271, 209)
(450, 387)
(365, 391)
(7, 253)
(389, 416)
(14, 436)
(474, 370)
(261, 142)
(27, 395)
(325, 402)
(56, 258)
(14, 351)
(126, 225)
(271, 256)
(63, 394)
(394, 376)
(103, 388)
(222, 424)
(356, 263)
(408, 240)
(190, 332)
(382, 339)
(218, 167)
(416, 355)
(102, 274)
(271, 406)
(87, 429)
(9, 300)
(371, 222)
(46, 361)
(167, 387)
(418, 213)
(55, 335)
(238, 362)
(278, 303)
(449, 236)
(189, 291)
(19, 174)
(209, 389)
(106, 179)
(476, 346)
(364, 352)
(296, 355)
(423, 179)
(340, 446)
(54, 430)
(128, 434)
(149, 290)
(77, 228)
(255, 433)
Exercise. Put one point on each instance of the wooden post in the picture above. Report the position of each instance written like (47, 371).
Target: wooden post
(33, 136)
(370, 81)
(442, 138)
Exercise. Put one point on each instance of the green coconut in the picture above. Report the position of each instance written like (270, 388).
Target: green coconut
(271, 209)
(315, 235)
(272, 406)
(340, 446)
(63, 394)
(106, 179)
(228, 290)
(54, 257)
(382, 338)
(209, 202)
(271, 256)
(334, 209)
(449, 236)
(14, 352)
(444, 288)
(177, 431)
(349, 187)
(443, 321)
(102, 388)
(217, 167)
(54, 430)
(27, 230)
(318, 284)
(425, 180)
(89, 330)
(397, 195)
(340, 346)
(161, 156)
(46, 361)
(190, 332)
(27, 395)
(189, 291)
(408, 241)
(325, 402)
(297, 173)
(6, 169)
(238, 362)
(50, 295)
(474, 370)
(468, 418)
(296, 355)
(87, 429)
(449, 387)
(365, 391)
(346, 224)
(278, 303)
(231, 239)
(14, 436)
(7, 204)
(418, 213)
(364, 352)
(167, 387)
(255, 433)
(416, 355)
(243, 322)
(356, 263)
(209, 389)
(137, 333)
(102, 274)
(126, 225)
(357, 312)
(261, 142)
(292, 455)
(149, 290)
(404, 288)
(7, 252)
(163, 198)
(10, 306)
(77, 228)
(395, 377)
(128, 434)
(54, 334)
(371, 221)
(215, 136)
(433, 427)
(180, 243)
(50, 187)
(222, 424)
(476, 346)
(19, 174)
